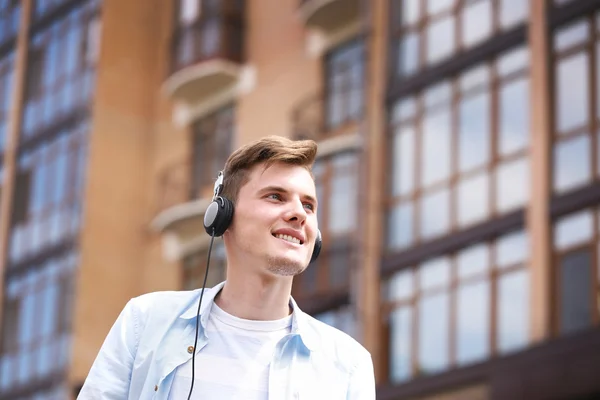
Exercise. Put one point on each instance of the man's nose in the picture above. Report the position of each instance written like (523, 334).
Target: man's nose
(296, 212)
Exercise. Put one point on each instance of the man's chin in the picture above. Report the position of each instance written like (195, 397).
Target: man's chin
(286, 266)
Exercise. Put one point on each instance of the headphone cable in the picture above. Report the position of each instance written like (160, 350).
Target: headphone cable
(212, 238)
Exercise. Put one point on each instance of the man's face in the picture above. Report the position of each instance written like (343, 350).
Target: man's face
(275, 222)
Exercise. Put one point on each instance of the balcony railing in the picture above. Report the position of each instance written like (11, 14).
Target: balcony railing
(208, 39)
(329, 15)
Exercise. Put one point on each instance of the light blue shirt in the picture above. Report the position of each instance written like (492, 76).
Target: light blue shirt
(154, 334)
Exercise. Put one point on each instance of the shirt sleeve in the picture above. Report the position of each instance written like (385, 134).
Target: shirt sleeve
(110, 375)
(362, 381)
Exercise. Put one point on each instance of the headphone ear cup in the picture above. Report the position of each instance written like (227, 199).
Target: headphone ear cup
(317, 248)
(218, 216)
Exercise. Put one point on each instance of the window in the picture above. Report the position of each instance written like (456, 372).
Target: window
(208, 29)
(337, 213)
(194, 267)
(10, 12)
(41, 8)
(458, 151)
(429, 32)
(344, 76)
(37, 320)
(577, 104)
(459, 309)
(577, 271)
(60, 70)
(6, 87)
(212, 140)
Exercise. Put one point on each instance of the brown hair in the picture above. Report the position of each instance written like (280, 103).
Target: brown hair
(267, 151)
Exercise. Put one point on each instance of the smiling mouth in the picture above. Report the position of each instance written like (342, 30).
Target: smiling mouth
(288, 238)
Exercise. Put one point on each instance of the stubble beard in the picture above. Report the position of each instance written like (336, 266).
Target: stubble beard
(283, 266)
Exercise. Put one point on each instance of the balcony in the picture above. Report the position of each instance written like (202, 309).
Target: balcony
(329, 15)
(207, 59)
(180, 211)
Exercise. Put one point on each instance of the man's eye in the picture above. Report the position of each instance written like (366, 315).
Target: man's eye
(309, 206)
(274, 196)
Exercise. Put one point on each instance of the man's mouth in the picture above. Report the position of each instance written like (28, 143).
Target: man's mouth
(288, 238)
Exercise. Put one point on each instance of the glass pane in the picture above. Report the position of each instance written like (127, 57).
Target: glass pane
(514, 116)
(512, 12)
(403, 161)
(474, 132)
(434, 274)
(476, 22)
(571, 35)
(573, 230)
(440, 39)
(475, 77)
(436, 6)
(473, 261)
(400, 344)
(512, 185)
(438, 94)
(572, 163)
(473, 199)
(410, 11)
(343, 195)
(433, 333)
(513, 311)
(408, 54)
(404, 109)
(400, 226)
(435, 214)
(436, 149)
(512, 61)
(401, 285)
(572, 92)
(512, 249)
(576, 296)
(473, 322)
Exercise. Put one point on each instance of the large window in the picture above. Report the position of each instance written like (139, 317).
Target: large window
(428, 32)
(10, 11)
(6, 87)
(577, 104)
(577, 271)
(212, 140)
(459, 309)
(459, 151)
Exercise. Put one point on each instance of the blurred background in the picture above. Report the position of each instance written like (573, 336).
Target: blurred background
(458, 177)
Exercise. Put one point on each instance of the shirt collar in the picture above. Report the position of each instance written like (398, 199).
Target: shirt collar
(300, 323)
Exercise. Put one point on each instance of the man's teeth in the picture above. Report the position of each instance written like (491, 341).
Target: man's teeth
(288, 238)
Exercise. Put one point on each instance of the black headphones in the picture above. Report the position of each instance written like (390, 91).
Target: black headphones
(219, 214)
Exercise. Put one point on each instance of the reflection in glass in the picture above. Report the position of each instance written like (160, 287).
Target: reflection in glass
(401, 285)
(573, 229)
(408, 54)
(400, 344)
(473, 261)
(434, 274)
(400, 226)
(571, 35)
(474, 132)
(513, 311)
(473, 322)
(436, 148)
(512, 184)
(476, 22)
(575, 291)
(572, 92)
(473, 199)
(440, 39)
(512, 12)
(514, 116)
(433, 333)
(512, 249)
(572, 163)
(435, 213)
(403, 161)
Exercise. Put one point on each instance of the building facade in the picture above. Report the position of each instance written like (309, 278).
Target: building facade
(457, 176)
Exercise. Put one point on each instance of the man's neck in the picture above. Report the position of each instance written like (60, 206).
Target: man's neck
(256, 298)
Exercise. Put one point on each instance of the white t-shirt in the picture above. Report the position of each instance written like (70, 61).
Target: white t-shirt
(234, 364)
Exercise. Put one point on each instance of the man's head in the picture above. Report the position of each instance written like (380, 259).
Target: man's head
(274, 225)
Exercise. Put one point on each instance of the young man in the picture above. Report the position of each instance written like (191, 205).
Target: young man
(253, 340)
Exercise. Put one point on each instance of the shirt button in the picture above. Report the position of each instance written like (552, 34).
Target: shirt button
(190, 349)
(155, 388)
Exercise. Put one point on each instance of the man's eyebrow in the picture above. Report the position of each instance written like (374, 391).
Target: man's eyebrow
(280, 189)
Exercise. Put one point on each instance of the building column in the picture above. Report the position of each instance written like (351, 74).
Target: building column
(538, 218)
